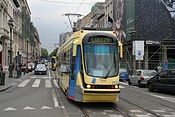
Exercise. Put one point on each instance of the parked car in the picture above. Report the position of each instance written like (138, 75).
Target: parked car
(123, 72)
(163, 81)
(30, 66)
(40, 69)
(140, 77)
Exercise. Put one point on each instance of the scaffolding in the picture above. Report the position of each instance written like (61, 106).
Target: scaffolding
(154, 56)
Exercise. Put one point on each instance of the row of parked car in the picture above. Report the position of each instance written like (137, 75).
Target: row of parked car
(162, 81)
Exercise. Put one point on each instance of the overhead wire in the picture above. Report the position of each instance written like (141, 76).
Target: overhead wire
(79, 6)
(59, 2)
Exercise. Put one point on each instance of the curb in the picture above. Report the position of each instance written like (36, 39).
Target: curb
(5, 88)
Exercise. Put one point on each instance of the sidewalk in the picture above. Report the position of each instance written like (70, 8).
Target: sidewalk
(9, 82)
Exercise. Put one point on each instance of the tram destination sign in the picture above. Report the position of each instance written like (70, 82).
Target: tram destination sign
(100, 40)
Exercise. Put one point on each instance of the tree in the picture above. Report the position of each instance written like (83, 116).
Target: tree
(44, 53)
(54, 52)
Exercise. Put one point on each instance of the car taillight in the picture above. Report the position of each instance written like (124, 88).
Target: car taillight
(93, 87)
(141, 78)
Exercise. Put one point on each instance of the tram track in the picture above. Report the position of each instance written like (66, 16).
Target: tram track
(107, 106)
(125, 114)
(164, 105)
(81, 106)
(146, 110)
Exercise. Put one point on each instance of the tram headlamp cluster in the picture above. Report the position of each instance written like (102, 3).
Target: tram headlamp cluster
(108, 87)
(117, 86)
(88, 86)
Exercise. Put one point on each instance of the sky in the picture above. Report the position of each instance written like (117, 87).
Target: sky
(48, 18)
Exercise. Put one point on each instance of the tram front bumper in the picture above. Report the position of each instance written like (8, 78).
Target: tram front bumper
(100, 95)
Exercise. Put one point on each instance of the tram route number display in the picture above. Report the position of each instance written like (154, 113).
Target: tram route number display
(100, 40)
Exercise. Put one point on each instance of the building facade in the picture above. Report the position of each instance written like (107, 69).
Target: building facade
(6, 12)
(85, 21)
(148, 36)
(25, 38)
(98, 15)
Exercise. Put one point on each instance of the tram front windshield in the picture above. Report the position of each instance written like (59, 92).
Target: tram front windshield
(101, 60)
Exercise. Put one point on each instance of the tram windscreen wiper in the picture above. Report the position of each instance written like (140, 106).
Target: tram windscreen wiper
(109, 72)
(111, 67)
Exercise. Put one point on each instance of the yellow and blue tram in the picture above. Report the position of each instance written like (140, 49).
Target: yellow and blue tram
(53, 63)
(88, 66)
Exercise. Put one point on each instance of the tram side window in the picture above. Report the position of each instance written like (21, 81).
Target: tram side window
(65, 61)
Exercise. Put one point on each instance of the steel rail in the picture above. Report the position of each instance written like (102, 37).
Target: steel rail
(151, 112)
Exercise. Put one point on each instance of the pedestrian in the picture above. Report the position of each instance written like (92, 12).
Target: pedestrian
(2, 75)
(23, 68)
(1, 68)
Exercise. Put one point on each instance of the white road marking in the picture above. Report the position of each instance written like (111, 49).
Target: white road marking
(142, 116)
(135, 111)
(9, 109)
(55, 99)
(36, 83)
(159, 111)
(104, 113)
(121, 87)
(39, 77)
(162, 97)
(115, 116)
(49, 73)
(24, 83)
(124, 83)
(108, 111)
(56, 84)
(46, 107)
(168, 115)
(48, 83)
(28, 108)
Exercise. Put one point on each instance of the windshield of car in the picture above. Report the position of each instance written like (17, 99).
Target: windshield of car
(123, 70)
(149, 73)
(101, 60)
(40, 66)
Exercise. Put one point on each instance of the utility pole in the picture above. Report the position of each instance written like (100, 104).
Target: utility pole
(72, 14)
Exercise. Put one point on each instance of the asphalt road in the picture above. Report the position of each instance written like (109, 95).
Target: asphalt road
(40, 96)
(34, 97)
(142, 103)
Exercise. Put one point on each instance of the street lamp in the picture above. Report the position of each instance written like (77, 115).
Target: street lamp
(10, 23)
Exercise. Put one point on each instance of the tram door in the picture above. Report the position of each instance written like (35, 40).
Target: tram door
(74, 69)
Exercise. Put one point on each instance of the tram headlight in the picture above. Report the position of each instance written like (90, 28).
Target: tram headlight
(88, 86)
(117, 86)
